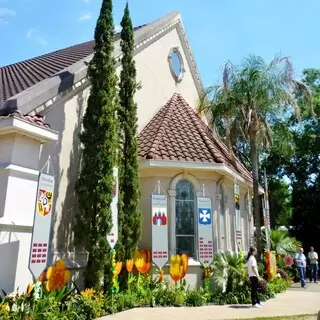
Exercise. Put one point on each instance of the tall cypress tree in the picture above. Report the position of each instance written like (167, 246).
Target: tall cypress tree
(129, 215)
(99, 138)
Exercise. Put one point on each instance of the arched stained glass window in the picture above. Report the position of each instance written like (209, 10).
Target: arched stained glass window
(185, 218)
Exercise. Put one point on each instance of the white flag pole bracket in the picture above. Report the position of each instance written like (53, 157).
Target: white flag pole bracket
(159, 189)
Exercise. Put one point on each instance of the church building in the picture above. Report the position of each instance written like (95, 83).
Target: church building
(42, 102)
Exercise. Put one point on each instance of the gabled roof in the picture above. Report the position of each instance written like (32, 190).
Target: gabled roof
(176, 132)
(20, 76)
(29, 85)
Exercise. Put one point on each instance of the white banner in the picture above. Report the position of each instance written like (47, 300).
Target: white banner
(112, 237)
(205, 230)
(237, 215)
(159, 227)
(41, 225)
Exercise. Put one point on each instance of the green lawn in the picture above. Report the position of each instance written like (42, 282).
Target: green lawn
(301, 317)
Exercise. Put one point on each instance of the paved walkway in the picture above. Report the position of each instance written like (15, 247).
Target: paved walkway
(296, 301)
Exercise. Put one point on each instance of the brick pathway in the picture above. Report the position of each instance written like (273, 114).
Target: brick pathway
(293, 302)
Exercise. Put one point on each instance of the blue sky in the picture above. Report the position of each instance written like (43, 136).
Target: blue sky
(217, 30)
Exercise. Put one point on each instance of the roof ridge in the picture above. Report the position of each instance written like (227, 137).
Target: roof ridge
(211, 142)
(167, 110)
(198, 122)
(176, 132)
(207, 133)
(47, 54)
(225, 151)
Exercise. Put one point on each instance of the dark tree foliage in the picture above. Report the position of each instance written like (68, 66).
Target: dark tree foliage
(280, 203)
(130, 217)
(99, 138)
(296, 155)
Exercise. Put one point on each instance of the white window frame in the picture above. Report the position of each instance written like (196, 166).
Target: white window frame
(172, 212)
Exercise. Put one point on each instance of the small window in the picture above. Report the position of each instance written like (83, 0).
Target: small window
(176, 64)
(185, 218)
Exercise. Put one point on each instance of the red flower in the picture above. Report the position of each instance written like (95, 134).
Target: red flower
(288, 261)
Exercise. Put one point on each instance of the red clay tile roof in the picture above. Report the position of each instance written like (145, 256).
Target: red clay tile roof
(20, 76)
(177, 133)
(37, 120)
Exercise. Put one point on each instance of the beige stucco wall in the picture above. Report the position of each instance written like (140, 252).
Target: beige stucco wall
(209, 179)
(158, 85)
(65, 116)
(19, 168)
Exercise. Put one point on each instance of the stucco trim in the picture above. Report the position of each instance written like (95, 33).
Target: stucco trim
(186, 176)
(15, 228)
(218, 167)
(47, 92)
(18, 169)
(20, 126)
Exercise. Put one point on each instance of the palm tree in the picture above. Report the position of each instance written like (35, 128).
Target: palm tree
(282, 244)
(241, 108)
(228, 270)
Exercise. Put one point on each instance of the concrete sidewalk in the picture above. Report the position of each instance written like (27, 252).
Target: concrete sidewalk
(295, 301)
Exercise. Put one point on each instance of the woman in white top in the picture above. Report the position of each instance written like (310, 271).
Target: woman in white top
(254, 277)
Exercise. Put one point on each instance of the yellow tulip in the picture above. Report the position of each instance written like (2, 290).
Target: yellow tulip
(178, 266)
(29, 289)
(57, 276)
(142, 260)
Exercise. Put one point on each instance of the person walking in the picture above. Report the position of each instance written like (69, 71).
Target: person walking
(313, 259)
(254, 277)
(301, 266)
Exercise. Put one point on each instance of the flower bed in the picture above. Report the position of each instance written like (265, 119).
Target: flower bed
(53, 296)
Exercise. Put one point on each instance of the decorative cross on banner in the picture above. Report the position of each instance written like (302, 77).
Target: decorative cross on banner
(205, 229)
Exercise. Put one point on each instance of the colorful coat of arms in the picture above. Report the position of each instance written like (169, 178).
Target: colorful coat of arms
(44, 202)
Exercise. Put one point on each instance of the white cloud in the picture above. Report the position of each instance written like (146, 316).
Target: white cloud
(7, 12)
(117, 28)
(85, 16)
(34, 35)
(30, 32)
(2, 21)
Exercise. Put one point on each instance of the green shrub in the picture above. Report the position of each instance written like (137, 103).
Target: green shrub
(163, 296)
(278, 285)
(197, 298)
(179, 298)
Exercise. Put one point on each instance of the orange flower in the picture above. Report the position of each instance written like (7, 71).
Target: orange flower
(118, 267)
(129, 265)
(178, 266)
(161, 273)
(268, 264)
(207, 273)
(142, 260)
(43, 277)
(58, 276)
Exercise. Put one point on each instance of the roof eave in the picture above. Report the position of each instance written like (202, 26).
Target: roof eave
(201, 166)
(17, 125)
